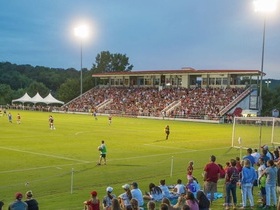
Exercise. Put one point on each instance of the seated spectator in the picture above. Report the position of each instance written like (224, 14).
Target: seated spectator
(134, 204)
(115, 204)
(137, 193)
(93, 203)
(107, 200)
(155, 193)
(31, 202)
(203, 202)
(163, 206)
(165, 190)
(191, 201)
(1, 205)
(167, 202)
(179, 188)
(151, 205)
(125, 197)
(18, 203)
(180, 202)
(186, 207)
(193, 187)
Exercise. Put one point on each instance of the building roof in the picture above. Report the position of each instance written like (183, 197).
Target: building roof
(178, 71)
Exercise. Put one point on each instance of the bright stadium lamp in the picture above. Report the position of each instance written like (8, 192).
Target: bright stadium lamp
(265, 7)
(82, 33)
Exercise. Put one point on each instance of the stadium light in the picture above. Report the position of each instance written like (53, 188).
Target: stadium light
(267, 83)
(82, 33)
(265, 7)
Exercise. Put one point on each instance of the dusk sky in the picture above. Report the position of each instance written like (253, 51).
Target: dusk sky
(154, 34)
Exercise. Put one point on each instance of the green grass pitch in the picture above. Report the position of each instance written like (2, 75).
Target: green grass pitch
(59, 166)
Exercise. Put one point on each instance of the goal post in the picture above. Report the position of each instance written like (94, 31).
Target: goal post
(253, 132)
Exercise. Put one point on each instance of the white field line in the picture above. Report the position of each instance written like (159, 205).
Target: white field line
(86, 162)
(46, 155)
(193, 150)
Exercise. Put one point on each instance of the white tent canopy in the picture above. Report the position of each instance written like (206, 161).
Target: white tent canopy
(49, 99)
(23, 99)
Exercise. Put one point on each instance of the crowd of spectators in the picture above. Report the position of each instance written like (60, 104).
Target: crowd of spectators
(197, 103)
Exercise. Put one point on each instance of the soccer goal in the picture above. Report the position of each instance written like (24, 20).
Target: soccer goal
(253, 132)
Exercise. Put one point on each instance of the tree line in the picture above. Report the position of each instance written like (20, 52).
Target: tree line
(64, 84)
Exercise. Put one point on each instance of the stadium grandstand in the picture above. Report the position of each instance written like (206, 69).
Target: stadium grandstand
(214, 95)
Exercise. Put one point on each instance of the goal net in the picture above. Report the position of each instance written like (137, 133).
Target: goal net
(253, 132)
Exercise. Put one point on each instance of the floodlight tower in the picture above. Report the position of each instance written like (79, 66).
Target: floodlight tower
(82, 33)
(265, 7)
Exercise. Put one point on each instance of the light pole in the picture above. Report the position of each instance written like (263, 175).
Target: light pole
(81, 32)
(264, 7)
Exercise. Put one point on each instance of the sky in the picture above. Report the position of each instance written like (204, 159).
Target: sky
(154, 34)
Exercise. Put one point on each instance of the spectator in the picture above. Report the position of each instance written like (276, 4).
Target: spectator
(31, 202)
(179, 188)
(115, 204)
(165, 191)
(154, 193)
(256, 155)
(211, 176)
(278, 188)
(137, 194)
(203, 202)
(151, 205)
(1, 205)
(231, 179)
(93, 203)
(18, 204)
(248, 175)
(107, 200)
(271, 180)
(163, 206)
(191, 201)
(262, 180)
(180, 202)
(249, 156)
(134, 204)
(125, 197)
(167, 202)
(190, 170)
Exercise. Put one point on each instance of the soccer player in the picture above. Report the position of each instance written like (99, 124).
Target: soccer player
(167, 131)
(51, 122)
(18, 118)
(103, 152)
(10, 117)
(110, 119)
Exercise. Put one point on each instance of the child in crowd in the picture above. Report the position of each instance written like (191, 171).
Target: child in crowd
(190, 170)
(93, 203)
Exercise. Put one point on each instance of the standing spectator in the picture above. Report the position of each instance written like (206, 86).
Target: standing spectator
(93, 203)
(238, 164)
(248, 175)
(31, 202)
(18, 204)
(270, 187)
(103, 152)
(190, 170)
(256, 155)
(278, 188)
(211, 176)
(167, 131)
(125, 197)
(231, 179)
(203, 202)
(107, 200)
(249, 156)
(136, 194)
(262, 180)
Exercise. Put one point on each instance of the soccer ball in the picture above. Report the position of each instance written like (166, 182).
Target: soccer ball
(99, 148)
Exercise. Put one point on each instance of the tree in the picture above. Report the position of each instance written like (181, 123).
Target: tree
(107, 62)
(69, 90)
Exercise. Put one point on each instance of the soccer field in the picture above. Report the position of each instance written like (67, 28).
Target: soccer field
(59, 165)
